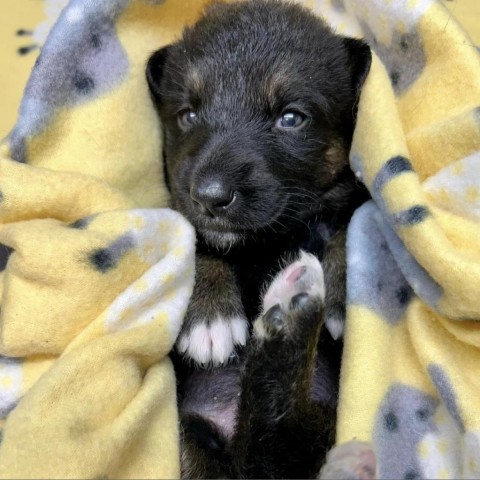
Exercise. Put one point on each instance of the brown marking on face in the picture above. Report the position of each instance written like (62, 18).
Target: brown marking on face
(194, 80)
(274, 86)
(336, 158)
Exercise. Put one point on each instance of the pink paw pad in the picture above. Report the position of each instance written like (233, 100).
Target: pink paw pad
(305, 275)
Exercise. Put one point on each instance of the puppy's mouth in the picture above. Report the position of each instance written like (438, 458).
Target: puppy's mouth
(225, 233)
(222, 233)
(253, 215)
(223, 240)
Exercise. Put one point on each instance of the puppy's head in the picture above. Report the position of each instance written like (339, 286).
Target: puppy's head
(257, 102)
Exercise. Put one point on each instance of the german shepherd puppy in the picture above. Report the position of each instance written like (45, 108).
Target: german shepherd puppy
(258, 103)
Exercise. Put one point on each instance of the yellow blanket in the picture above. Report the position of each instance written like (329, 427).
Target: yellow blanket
(98, 278)
(410, 380)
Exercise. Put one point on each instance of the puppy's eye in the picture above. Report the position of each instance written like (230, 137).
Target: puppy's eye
(291, 120)
(186, 118)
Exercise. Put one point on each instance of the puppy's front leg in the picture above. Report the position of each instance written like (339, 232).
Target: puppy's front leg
(335, 269)
(281, 432)
(215, 321)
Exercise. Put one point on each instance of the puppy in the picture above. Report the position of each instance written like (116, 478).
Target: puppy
(258, 102)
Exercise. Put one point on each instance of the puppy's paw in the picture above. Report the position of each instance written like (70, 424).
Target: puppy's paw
(295, 293)
(353, 460)
(212, 342)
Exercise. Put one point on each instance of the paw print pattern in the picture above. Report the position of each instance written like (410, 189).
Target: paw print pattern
(392, 168)
(440, 452)
(52, 9)
(82, 223)
(405, 417)
(106, 259)
(5, 253)
(404, 58)
(456, 188)
(81, 59)
(338, 5)
(447, 393)
(164, 241)
(398, 275)
(391, 31)
(10, 384)
(375, 279)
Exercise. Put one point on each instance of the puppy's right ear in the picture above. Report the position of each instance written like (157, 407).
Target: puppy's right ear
(154, 72)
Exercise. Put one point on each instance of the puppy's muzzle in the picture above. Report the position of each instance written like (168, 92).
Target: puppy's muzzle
(212, 196)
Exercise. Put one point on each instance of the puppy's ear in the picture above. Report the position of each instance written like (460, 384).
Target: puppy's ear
(154, 71)
(360, 61)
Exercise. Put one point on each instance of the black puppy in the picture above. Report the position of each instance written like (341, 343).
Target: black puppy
(258, 103)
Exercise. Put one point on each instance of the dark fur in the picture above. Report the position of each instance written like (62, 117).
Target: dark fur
(240, 68)
(283, 398)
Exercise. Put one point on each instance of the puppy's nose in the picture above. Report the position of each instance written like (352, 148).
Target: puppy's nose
(212, 196)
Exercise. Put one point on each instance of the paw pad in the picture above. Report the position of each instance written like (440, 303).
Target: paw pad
(291, 290)
(299, 301)
(273, 320)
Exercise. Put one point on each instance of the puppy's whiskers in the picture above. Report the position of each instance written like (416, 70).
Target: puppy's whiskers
(296, 219)
(320, 142)
(276, 221)
(299, 191)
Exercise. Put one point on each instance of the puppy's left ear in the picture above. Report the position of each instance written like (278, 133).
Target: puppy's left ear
(360, 61)
(154, 71)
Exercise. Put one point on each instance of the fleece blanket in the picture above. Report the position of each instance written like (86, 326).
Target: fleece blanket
(96, 276)
(410, 382)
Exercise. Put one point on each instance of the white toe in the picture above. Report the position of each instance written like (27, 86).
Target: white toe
(335, 326)
(182, 344)
(200, 344)
(239, 330)
(222, 341)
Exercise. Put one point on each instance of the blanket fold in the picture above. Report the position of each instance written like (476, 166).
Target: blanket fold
(409, 382)
(98, 277)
